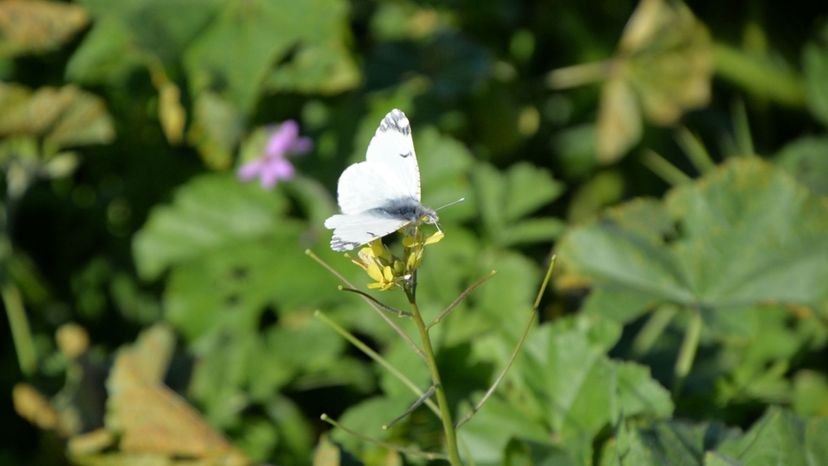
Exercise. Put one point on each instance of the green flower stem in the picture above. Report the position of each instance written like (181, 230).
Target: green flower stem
(442, 401)
(21, 334)
(376, 357)
(687, 353)
(376, 308)
(519, 345)
(664, 169)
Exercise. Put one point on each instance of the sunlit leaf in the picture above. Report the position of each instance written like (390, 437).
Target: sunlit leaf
(38, 26)
(747, 233)
(664, 65)
(151, 418)
(62, 117)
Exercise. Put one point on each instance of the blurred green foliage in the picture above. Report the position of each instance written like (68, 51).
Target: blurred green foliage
(161, 312)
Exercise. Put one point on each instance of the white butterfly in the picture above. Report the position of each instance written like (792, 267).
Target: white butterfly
(381, 194)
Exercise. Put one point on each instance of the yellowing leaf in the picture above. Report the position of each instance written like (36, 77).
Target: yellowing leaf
(619, 120)
(65, 116)
(663, 68)
(37, 26)
(152, 419)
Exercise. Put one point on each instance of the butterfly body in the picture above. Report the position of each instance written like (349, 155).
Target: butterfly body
(381, 194)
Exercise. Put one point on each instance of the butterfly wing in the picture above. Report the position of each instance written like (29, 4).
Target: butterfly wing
(390, 171)
(353, 230)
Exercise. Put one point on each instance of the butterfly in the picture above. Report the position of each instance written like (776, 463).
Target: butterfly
(381, 194)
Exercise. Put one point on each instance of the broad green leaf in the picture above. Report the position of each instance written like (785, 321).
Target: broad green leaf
(134, 33)
(579, 389)
(238, 48)
(210, 213)
(504, 200)
(664, 442)
(38, 26)
(779, 437)
(746, 233)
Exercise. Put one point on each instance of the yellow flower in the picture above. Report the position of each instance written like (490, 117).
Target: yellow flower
(385, 269)
(378, 262)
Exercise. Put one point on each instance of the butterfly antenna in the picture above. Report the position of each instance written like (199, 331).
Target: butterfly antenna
(451, 203)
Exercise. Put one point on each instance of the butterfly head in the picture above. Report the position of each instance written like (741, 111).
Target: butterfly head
(428, 215)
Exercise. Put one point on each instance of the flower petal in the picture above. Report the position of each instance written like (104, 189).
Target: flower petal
(282, 139)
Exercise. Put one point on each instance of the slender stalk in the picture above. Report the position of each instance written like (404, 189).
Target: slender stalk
(578, 75)
(19, 325)
(695, 150)
(687, 353)
(423, 398)
(391, 309)
(519, 345)
(460, 299)
(376, 357)
(664, 169)
(647, 336)
(408, 451)
(431, 361)
(741, 130)
(376, 308)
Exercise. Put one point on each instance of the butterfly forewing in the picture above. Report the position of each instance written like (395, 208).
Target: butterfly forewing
(381, 194)
(391, 151)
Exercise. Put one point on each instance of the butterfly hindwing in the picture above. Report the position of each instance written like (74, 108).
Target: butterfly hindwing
(351, 231)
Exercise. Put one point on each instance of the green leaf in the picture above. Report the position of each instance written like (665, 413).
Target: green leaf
(666, 442)
(746, 233)
(211, 213)
(580, 390)
(779, 437)
(505, 199)
(237, 50)
(135, 33)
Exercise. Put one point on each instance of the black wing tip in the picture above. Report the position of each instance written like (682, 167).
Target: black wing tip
(340, 245)
(397, 121)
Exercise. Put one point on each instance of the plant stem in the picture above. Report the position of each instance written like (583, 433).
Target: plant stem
(687, 353)
(442, 401)
(376, 357)
(21, 334)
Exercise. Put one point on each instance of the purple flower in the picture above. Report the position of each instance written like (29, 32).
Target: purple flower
(273, 165)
